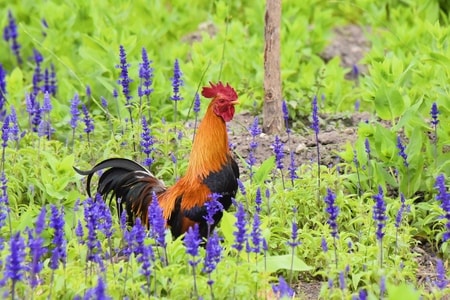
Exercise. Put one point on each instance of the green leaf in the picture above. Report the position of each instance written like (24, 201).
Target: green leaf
(279, 262)
(227, 226)
(389, 103)
(14, 82)
(403, 291)
(264, 170)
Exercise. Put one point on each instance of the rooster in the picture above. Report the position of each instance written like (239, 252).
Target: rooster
(211, 169)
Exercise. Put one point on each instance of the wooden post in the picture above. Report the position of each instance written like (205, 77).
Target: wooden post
(272, 112)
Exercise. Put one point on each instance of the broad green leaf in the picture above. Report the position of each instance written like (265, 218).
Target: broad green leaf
(389, 103)
(14, 82)
(403, 291)
(282, 262)
(227, 226)
(264, 170)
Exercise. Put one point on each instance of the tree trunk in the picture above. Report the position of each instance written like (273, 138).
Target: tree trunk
(273, 115)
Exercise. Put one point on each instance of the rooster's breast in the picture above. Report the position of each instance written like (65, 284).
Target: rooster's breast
(224, 182)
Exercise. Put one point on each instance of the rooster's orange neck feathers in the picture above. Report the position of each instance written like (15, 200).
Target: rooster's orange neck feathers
(210, 150)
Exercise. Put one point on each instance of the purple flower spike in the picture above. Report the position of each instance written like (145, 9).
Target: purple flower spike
(444, 197)
(88, 122)
(177, 82)
(213, 253)
(147, 143)
(74, 111)
(10, 34)
(434, 114)
(124, 79)
(379, 213)
(333, 210)
(212, 208)
(14, 267)
(401, 151)
(146, 75)
(192, 242)
(157, 222)
(240, 233)
(315, 117)
(57, 223)
(441, 280)
(196, 104)
(282, 289)
(279, 153)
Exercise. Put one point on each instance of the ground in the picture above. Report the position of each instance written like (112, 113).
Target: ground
(336, 131)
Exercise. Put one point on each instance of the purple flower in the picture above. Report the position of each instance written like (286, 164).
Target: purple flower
(292, 167)
(47, 104)
(37, 249)
(146, 258)
(14, 268)
(138, 234)
(2, 91)
(157, 222)
(434, 114)
(34, 110)
(98, 292)
(278, 151)
(177, 82)
(441, 280)
(79, 232)
(213, 207)
(88, 122)
(315, 117)
(282, 289)
(45, 129)
(104, 221)
(192, 242)
(5, 132)
(379, 213)
(444, 197)
(324, 245)
(14, 128)
(333, 210)
(10, 34)
(37, 75)
(256, 233)
(285, 110)
(74, 111)
(367, 146)
(91, 217)
(146, 142)
(401, 152)
(213, 253)
(59, 251)
(399, 216)
(362, 295)
(258, 200)
(342, 283)
(4, 204)
(382, 286)
(241, 187)
(255, 130)
(145, 75)
(196, 104)
(293, 242)
(240, 232)
(124, 79)
(52, 81)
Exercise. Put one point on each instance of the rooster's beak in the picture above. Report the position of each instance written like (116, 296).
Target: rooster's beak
(235, 102)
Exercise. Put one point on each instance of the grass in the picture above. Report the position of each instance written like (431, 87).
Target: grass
(408, 71)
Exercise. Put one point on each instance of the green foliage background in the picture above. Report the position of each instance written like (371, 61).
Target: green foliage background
(408, 69)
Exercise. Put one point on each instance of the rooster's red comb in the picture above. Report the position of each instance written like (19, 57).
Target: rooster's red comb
(225, 91)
